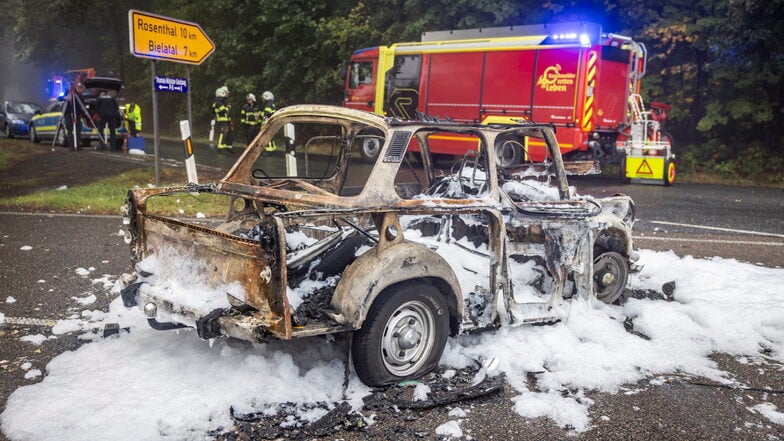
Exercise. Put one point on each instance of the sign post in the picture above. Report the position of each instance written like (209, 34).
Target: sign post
(169, 39)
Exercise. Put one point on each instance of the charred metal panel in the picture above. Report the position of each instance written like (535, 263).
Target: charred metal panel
(378, 269)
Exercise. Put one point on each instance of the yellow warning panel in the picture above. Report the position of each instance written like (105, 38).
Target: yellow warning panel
(645, 167)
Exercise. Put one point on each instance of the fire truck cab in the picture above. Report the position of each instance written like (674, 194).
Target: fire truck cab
(571, 75)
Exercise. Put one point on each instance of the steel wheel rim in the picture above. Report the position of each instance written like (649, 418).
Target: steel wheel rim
(371, 147)
(408, 338)
(32, 133)
(608, 279)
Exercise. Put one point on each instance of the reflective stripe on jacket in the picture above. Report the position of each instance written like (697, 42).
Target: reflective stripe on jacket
(221, 110)
(251, 115)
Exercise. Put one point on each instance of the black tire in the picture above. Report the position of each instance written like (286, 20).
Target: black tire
(33, 135)
(370, 148)
(403, 336)
(508, 152)
(669, 172)
(610, 274)
(622, 171)
(62, 137)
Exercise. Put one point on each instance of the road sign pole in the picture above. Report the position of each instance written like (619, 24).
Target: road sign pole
(188, 99)
(155, 130)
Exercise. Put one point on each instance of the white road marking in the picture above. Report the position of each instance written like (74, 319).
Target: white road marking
(729, 230)
(28, 321)
(731, 242)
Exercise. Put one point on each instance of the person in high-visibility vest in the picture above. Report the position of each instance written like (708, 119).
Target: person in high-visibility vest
(250, 118)
(221, 108)
(267, 109)
(133, 115)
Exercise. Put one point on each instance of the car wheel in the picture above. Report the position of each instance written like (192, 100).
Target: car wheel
(403, 336)
(33, 135)
(8, 133)
(669, 172)
(610, 274)
(61, 138)
(370, 149)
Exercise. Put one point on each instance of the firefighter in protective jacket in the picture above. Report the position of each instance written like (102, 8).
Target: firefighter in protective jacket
(268, 108)
(221, 108)
(250, 118)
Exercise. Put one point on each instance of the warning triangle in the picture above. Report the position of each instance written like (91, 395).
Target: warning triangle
(644, 168)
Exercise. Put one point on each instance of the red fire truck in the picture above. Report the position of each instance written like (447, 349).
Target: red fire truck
(59, 83)
(569, 74)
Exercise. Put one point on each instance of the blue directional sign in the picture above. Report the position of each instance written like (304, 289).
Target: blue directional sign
(168, 84)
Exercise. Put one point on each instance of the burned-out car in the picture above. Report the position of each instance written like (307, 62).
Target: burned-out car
(402, 253)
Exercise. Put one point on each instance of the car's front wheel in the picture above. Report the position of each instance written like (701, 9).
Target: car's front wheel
(8, 133)
(403, 336)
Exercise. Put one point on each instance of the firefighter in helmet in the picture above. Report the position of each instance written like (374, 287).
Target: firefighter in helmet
(221, 108)
(250, 118)
(267, 109)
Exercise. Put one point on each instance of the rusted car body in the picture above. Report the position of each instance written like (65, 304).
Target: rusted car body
(401, 253)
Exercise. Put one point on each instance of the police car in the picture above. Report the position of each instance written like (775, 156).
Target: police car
(44, 125)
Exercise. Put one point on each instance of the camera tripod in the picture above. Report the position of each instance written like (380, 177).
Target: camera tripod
(74, 114)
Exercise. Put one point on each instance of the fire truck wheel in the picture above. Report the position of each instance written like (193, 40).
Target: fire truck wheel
(669, 172)
(508, 152)
(403, 336)
(369, 149)
(610, 274)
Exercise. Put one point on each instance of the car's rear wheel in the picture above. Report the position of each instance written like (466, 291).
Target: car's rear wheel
(403, 336)
(610, 274)
(61, 137)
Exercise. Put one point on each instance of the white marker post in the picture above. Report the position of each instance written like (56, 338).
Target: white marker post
(291, 159)
(190, 161)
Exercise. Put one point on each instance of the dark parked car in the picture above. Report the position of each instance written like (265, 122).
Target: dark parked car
(15, 117)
